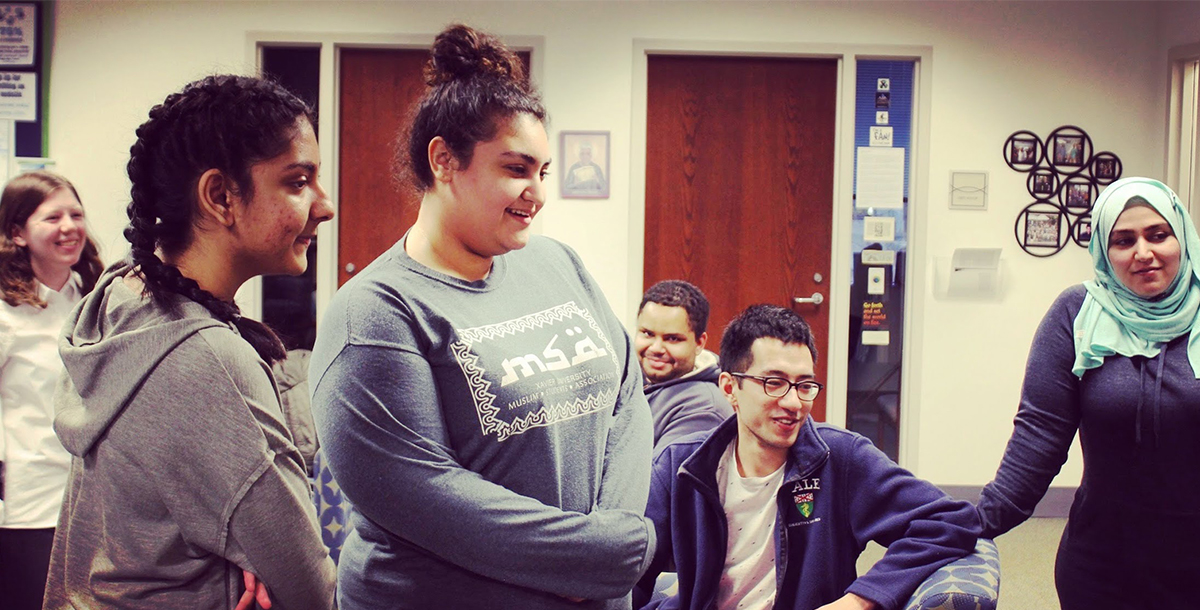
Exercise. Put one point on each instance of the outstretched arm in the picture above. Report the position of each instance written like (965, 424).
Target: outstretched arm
(1044, 427)
(922, 528)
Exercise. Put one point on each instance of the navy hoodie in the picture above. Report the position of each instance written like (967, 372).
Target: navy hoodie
(838, 493)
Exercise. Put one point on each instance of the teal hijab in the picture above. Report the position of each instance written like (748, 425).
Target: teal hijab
(1115, 320)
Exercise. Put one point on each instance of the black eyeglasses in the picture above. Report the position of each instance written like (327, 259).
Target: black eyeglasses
(777, 387)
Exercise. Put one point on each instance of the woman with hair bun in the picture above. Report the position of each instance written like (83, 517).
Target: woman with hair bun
(47, 263)
(478, 402)
(185, 479)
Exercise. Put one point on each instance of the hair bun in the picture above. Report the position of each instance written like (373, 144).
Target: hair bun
(461, 52)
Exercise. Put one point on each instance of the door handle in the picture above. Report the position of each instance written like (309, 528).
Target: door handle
(350, 268)
(816, 299)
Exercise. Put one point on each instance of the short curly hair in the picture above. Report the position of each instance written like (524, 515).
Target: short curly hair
(678, 293)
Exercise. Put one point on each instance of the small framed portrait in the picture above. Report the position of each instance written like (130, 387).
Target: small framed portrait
(1079, 195)
(585, 157)
(883, 99)
(1068, 150)
(1023, 151)
(1081, 230)
(1042, 229)
(1106, 167)
(1076, 194)
(1043, 183)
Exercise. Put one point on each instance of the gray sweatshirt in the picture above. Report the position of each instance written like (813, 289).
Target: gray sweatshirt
(184, 473)
(688, 404)
(492, 436)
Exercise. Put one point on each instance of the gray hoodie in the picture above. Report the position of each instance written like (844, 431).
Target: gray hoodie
(688, 404)
(184, 473)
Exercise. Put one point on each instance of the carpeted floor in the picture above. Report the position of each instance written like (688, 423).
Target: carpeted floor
(1026, 564)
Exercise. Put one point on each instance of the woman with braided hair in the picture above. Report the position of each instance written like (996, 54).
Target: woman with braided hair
(478, 402)
(185, 476)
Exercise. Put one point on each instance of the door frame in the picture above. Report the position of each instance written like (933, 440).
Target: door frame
(329, 92)
(837, 353)
(1183, 127)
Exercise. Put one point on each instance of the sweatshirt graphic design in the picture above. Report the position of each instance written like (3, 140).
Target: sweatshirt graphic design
(507, 410)
(574, 374)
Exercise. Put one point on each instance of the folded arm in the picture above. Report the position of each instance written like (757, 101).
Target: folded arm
(378, 410)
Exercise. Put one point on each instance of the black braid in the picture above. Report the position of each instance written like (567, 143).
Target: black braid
(220, 122)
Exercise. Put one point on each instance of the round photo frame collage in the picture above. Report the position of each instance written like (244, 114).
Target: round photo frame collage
(1064, 178)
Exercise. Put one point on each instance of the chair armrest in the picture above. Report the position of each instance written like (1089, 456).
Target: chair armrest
(972, 582)
(333, 509)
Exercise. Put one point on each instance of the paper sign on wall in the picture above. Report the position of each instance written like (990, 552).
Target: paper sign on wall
(879, 228)
(879, 182)
(18, 96)
(876, 337)
(18, 34)
(881, 135)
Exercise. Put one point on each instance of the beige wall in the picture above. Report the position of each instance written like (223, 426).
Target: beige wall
(997, 67)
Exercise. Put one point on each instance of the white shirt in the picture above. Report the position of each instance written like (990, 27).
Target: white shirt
(35, 462)
(748, 580)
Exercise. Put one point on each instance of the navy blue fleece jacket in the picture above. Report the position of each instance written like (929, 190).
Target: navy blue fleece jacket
(838, 493)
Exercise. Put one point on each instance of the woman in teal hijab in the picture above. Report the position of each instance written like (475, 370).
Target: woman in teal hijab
(1117, 359)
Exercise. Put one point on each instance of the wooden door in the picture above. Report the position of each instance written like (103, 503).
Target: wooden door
(379, 90)
(739, 183)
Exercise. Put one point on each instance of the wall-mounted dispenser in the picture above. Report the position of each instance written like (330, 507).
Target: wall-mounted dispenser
(972, 274)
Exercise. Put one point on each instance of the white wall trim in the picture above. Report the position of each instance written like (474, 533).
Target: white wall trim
(918, 239)
(1183, 170)
(843, 204)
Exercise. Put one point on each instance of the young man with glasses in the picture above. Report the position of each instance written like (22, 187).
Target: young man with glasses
(771, 510)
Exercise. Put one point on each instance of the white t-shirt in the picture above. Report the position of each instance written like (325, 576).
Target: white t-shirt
(748, 579)
(35, 462)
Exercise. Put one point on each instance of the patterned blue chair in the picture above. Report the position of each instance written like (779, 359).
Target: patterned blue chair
(333, 509)
(971, 583)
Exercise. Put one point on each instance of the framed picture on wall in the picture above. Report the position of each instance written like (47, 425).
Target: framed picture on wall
(1068, 150)
(585, 155)
(1043, 184)
(1079, 195)
(1041, 229)
(1023, 151)
(1106, 167)
(1081, 230)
